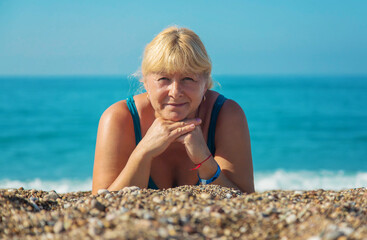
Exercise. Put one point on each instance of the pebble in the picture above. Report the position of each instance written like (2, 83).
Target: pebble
(130, 189)
(123, 210)
(205, 196)
(148, 216)
(135, 193)
(314, 238)
(188, 229)
(163, 232)
(68, 223)
(346, 230)
(94, 230)
(58, 227)
(33, 199)
(52, 196)
(110, 216)
(102, 191)
(97, 205)
(108, 196)
(333, 235)
(185, 212)
(157, 200)
(35, 207)
(67, 205)
(291, 219)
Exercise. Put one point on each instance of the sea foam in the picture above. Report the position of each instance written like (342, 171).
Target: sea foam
(264, 181)
(60, 186)
(309, 180)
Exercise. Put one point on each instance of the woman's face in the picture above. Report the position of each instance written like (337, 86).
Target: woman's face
(176, 96)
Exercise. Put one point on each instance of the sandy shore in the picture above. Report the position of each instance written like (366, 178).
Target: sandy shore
(187, 212)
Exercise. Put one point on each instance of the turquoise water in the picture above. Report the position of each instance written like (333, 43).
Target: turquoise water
(306, 132)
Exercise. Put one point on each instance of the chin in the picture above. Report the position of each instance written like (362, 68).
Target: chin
(175, 117)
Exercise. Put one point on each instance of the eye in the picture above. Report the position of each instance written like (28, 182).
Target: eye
(189, 79)
(163, 79)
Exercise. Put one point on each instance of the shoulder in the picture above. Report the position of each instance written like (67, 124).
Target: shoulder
(230, 109)
(115, 130)
(228, 104)
(119, 111)
(233, 147)
(231, 118)
(116, 113)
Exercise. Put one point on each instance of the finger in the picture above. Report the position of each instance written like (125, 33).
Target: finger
(181, 131)
(186, 122)
(181, 138)
(196, 121)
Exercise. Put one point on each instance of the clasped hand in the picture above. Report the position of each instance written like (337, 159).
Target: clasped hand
(164, 132)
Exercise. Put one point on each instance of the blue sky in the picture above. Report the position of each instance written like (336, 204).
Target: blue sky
(242, 37)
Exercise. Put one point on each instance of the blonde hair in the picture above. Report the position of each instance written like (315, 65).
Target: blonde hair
(174, 50)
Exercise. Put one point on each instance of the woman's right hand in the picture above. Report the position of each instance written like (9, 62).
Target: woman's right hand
(162, 133)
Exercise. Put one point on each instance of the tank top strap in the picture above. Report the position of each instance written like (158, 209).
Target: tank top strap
(135, 115)
(211, 133)
(136, 120)
(213, 122)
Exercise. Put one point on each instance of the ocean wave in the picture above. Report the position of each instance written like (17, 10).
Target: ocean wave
(60, 186)
(309, 180)
(264, 181)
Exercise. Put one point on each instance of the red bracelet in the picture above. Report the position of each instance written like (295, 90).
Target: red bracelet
(199, 164)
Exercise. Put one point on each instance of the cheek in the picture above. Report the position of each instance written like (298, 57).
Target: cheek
(198, 92)
(157, 97)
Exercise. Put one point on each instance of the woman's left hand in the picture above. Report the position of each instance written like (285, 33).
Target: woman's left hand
(195, 145)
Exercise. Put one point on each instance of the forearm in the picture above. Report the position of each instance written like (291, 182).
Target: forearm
(135, 173)
(207, 171)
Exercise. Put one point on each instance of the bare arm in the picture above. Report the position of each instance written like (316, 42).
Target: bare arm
(115, 143)
(118, 163)
(233, 150)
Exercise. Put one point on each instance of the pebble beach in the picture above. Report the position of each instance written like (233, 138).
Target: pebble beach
(186, 212)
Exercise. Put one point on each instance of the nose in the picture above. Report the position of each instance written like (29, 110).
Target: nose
(175, 89)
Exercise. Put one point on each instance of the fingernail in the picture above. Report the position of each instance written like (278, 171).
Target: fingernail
(198, 119)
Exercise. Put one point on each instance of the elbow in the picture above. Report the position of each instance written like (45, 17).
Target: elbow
(250, 190)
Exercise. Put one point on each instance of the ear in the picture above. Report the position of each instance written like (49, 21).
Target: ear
(206, 84)
(206, 88)
(145, 84)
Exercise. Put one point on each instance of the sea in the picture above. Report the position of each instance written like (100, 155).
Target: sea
(307, 132)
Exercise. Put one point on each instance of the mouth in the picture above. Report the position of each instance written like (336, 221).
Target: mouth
(175, 104)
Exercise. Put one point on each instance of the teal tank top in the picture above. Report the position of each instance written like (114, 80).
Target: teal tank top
(211, 132)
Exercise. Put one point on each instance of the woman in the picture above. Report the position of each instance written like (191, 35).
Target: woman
(177, 133)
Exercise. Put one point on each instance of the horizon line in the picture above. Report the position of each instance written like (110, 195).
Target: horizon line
(214, 75)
